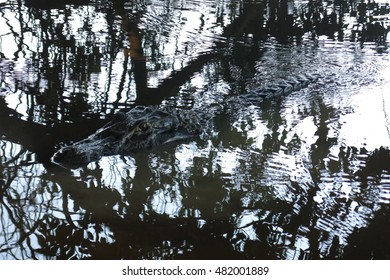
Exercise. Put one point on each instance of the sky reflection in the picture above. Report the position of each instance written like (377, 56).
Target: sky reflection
(276, 178)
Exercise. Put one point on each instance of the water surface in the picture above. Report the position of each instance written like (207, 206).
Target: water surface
(298, 176)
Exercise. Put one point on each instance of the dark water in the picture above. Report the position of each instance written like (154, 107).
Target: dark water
(299, 176)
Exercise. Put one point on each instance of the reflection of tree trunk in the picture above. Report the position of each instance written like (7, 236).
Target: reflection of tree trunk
(320, 150)
(38, 138)
(249, 21)
(95, 200)
(136, 54)
(170, 86)
(58, 4)
(140, 184)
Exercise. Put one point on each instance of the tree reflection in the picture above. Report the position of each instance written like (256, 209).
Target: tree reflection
(25, 199)
(66, 65)
(256, 187)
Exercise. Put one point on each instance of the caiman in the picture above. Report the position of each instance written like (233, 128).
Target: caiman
(148, 128)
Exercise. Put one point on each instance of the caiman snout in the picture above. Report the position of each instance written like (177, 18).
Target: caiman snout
(76, 155)
(65, 155)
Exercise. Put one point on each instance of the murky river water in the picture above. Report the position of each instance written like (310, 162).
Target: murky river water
(298, 176)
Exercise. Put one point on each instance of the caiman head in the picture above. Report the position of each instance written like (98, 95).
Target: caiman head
(143, 128)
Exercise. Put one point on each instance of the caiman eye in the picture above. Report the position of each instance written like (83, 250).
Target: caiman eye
(144, 126)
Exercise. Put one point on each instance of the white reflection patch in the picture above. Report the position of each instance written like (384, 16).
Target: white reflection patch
(369, 124)
(167, 200)
(228, 160)
(185, 156)
(245, 223)
(257, 134)
(115, 170)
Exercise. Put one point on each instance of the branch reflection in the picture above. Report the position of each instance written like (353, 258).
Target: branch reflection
(297, 176)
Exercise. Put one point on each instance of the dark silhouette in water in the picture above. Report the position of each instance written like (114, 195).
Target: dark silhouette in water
(378, 162)
(370, 242)
(148, 128)
(57, 4)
